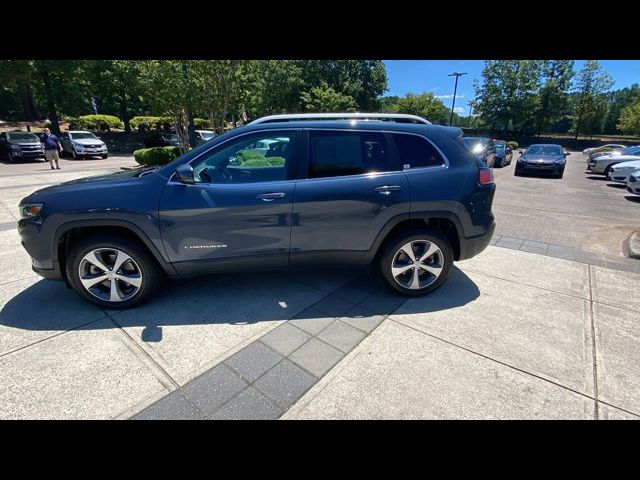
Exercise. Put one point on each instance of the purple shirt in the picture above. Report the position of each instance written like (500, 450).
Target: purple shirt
(50, 142)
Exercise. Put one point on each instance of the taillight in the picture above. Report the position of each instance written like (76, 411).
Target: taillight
(485, 176)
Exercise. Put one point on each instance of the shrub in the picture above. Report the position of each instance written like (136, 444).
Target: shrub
(156, 155)
(275, 161)
(256, 163)
(143, 124)
(513, 144)
(244, 155)
(97, 122)
(201, 123)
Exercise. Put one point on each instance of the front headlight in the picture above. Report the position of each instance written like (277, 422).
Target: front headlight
(30, 210)
(78, 145)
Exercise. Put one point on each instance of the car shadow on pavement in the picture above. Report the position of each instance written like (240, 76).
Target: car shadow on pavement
(617, 185)
(234, 299)
(596, 177)
(633, 198)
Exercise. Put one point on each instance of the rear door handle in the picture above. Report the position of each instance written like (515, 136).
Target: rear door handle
(387, 189)
(270, 197)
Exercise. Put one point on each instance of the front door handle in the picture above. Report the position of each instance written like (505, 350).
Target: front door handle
(270, 197)
(387, 189)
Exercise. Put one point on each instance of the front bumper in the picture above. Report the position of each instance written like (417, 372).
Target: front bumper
(618, 177)
(548, 168)
(32, 154)
(472, 246)
(633, 186)
(91, 151)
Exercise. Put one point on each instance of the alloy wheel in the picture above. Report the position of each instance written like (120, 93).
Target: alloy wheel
(417, 264)
(110, 275)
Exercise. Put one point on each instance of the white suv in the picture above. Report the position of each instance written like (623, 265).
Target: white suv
(80, 143)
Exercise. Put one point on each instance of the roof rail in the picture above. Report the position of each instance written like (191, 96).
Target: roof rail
(291, 117)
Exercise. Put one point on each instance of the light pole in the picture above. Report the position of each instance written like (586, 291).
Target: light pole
(471, 105)
(455, 90)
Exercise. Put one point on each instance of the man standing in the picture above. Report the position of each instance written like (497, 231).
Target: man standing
(51, 148)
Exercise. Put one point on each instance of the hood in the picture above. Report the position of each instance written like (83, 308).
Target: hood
(88, 141)
(542, 158)
(632, 164)
(118, 178)
(26, 142)
(618, 158)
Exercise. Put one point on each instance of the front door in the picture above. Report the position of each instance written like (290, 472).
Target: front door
(238, 214)
(351, 191)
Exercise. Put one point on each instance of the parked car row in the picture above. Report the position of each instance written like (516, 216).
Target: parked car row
(161, 139)
(618, 165)
(19, 145)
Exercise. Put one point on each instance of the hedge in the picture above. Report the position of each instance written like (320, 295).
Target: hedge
(146, 123)
(156, 155)
(256, 163)
(275, 160)
(201, 123)
(95, 122)
(244, 155)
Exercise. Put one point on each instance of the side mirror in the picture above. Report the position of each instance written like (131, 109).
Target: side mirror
(184, 174)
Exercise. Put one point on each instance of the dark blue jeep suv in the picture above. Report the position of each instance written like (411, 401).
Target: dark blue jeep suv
(408, 198)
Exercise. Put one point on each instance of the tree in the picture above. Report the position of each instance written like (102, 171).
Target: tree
(277, 87)
(630, 119)
(424, 105)
(387, 104)
(507, 97)
(553, 93)
(591, 84)
(363, 80)
(170, 92)
(618, 100)
(325, 99)
(17, 78)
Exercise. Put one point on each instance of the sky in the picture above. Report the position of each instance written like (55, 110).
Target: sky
(419, 76)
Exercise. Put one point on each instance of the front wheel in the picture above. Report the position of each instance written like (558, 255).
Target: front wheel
(112, 271)
(104, 155)
(74, 155)
(416, 262)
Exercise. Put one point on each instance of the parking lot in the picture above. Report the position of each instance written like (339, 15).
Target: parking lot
(543, 324)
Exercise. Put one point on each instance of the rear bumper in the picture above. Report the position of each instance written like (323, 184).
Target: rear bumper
(472, 246)
(551, 169)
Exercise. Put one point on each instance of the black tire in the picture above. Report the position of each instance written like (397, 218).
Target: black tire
(394, 245)
(104, 155)
(497, 164)
(607, 170)
(152, 275)
(516, 172)
(561, 174)
(74, 155)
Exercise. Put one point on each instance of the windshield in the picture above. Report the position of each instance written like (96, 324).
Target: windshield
(500, 147)
(207, 135)
(170, 138)
(83, 136)
(544, 150)
(30, 137)
(630, 150)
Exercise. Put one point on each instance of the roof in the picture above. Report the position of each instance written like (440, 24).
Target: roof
(290, 117)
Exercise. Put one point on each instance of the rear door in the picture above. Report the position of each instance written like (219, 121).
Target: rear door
(348, 191)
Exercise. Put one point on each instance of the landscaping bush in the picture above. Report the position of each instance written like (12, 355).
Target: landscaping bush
(256, 163)
(99, 122)
(244, 155)
(143, 124)
(275, 161)
(201, 123)
(513, 144)
(156, 155)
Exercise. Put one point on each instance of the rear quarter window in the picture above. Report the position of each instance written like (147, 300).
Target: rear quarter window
(415, 151)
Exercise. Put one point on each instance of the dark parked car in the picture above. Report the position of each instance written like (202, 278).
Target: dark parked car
(542, 158)
(407, 198)
(504, 153)
(161, 140)
(20, 145)
(483, 148)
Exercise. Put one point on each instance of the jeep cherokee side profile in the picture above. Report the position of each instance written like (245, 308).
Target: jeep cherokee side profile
(392, 191)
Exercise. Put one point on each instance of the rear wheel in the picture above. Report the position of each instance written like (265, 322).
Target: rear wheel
(416, 262)
(74, 155)
(112, 271)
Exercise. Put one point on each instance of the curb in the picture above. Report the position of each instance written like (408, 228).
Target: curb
(631, 245)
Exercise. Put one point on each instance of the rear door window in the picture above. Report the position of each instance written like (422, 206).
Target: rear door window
(415, 151)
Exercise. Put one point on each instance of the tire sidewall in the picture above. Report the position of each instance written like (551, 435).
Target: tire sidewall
(141, 257)
(386, 260)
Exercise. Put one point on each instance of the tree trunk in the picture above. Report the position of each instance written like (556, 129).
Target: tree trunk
(212, 119)
(124, 113)
(28, 105)
(51, 103)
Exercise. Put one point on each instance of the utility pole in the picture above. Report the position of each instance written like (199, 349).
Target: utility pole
(191, 126)
(470, 112)
(455, 90)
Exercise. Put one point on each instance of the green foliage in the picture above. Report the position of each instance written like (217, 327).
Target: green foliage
(156, 156)
(95, 122)
(630, 119)
(201, 123)
(326, 99)
(592, 82)
(276, 161)
(245, 155)
(256, 163)
(513, 144)
(424, 105)
(146, 123)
